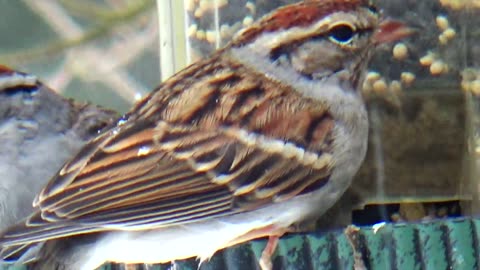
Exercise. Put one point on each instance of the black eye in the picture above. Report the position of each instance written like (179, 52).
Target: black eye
(373, 9)
(341, 33)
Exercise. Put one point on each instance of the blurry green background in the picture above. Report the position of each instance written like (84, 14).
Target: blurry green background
(105, 52)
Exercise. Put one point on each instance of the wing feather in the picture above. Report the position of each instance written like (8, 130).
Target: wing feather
(160, 174)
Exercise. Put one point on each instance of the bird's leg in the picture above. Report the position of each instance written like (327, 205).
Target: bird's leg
(352, 234)
(266, 259)
(270, 230)
(130, 266)
(273, 232)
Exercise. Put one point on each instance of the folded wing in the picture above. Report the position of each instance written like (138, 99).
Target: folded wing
(145, 175)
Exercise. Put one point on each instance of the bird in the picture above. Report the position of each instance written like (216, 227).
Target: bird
(39, 132)
(264, 134)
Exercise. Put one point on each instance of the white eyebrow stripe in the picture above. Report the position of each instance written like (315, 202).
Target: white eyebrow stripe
(16, 80)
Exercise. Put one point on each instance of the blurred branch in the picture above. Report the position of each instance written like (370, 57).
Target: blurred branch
(75, 37)
(92, 63)
(89, 10)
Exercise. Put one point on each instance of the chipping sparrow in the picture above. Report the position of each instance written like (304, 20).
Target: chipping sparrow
(264, 134)
(39, 132)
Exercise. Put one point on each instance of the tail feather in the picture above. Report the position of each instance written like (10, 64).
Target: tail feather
(29, 232)
(21, 254)
(58, 254)
(38, 246)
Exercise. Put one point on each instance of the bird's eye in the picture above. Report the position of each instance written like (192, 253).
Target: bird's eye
(373, 9)
(341, 33)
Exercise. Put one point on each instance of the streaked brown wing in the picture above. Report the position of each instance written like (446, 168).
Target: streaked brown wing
(160, 174)
(132, 179)
(149, 176)
(153, 175)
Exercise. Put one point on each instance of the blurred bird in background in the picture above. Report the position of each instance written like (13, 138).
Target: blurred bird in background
(39, 131)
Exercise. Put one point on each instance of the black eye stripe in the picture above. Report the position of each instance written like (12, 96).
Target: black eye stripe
(276, 53)
(286, 49)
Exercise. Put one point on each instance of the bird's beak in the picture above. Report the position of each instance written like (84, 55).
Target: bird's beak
(390, 30)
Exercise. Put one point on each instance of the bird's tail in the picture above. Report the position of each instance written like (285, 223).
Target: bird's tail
(60, 254)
